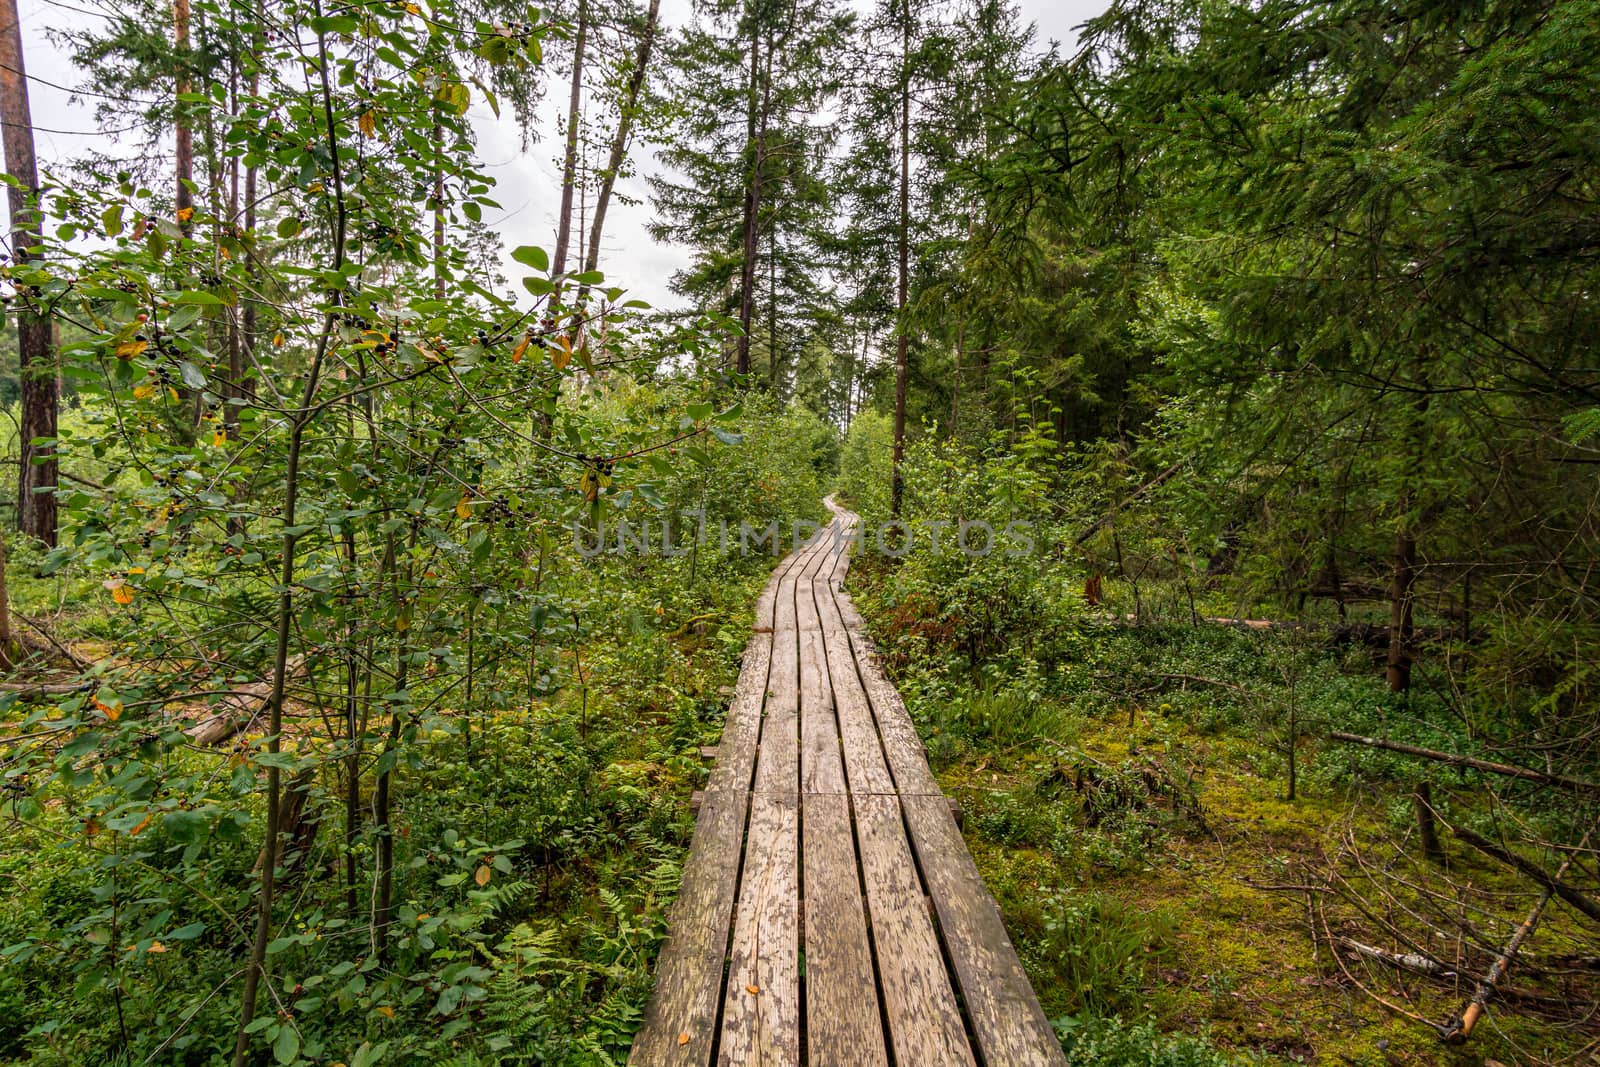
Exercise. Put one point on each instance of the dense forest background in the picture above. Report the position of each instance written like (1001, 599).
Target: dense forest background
(325, 739)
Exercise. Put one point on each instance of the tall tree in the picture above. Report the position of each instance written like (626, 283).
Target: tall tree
(756, 80)
(569, 164)
(37, 468)
(627, 116)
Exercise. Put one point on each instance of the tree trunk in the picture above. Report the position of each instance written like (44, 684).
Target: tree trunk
(619, 143)
(36, 511)
(1400, 600)
(1427, 830)
(756, 134)
(6, 661)
(183, 134)
(569, 166)
(438, 213)
(903, 238)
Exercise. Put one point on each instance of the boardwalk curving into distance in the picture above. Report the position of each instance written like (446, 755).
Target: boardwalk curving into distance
(830, 913)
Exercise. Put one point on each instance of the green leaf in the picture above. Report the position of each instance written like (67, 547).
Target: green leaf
(111, 219)
(472, 210)
(286, 1049)
(199, 296)
(193, 376)
(538, 286)
(532, 256)
(288, 226)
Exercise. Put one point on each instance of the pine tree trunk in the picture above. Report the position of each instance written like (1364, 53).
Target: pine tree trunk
(757, 132)
(903, 237)
(36, 511)
(619, 143)
(569, 166)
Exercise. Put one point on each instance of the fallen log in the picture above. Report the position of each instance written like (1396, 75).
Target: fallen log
(1525, 773)
(239, 707)
(299, 822)
(1531, 869)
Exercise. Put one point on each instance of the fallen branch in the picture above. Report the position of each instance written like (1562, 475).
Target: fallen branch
(40, 690)
(1510, 771)
(239, 708)
(1153, 483)
(44, 632)
(1405, 961)
(1456, 1030)
(1531, 869)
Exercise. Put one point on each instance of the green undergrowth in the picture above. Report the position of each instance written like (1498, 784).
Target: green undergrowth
(540, 810)
(1124, 792)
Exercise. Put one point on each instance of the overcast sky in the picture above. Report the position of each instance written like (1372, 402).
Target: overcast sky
(528, 182)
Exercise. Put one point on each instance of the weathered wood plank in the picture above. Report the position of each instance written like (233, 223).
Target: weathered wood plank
(690, 966)
(924, 1019)
(821, 765)
(908, 760)
(761, 1009)
(1007, 1021)
(843, 1024)
(736, 754)
(864, 759)
(778, 766)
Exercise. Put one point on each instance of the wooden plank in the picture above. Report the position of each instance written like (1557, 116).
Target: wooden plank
(864, 760)
(903, 749)
(778, 766)
(761, 1010)
(821, 765)
(1007, 1021)
(843, 1024)
(689, 968)
(925, 1024)
(741, 728)
(736, 752)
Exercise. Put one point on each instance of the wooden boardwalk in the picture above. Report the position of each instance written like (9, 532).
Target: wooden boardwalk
(830, 913)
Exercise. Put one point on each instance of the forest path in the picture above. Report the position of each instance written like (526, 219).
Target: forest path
(830, 913)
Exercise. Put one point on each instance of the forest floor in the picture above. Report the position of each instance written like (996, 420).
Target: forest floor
(1127, 807)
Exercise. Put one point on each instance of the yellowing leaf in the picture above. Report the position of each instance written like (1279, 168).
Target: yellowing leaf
(121, 591)
(564, 356)
(143, 392)
(277, 339)
(386, 1011)
(185, 214)
(112, 711)
(521, 349)
(137, 830)
(219, 439)
(368, 124)
(173, 392)
(589, 485)
(156, 946)
(483, 876)
(129, 349)
(464, 507)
